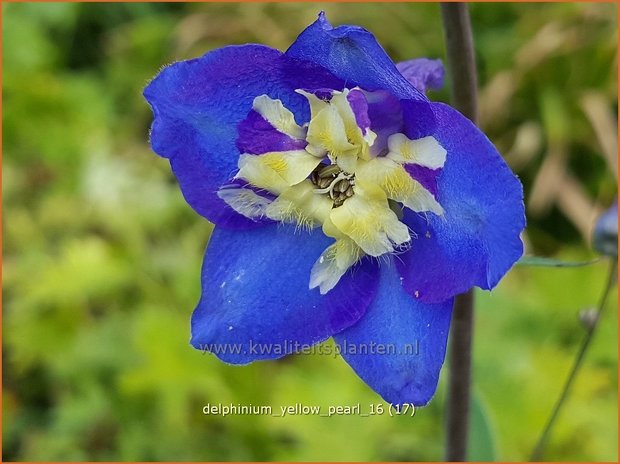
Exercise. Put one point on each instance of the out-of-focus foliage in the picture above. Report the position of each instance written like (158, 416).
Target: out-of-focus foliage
(102, 256)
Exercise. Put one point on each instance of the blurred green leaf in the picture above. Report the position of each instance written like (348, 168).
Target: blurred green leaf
(541, 261)
(555, 114)
(481, 440)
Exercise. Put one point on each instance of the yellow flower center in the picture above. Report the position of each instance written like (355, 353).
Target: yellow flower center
(335, 183)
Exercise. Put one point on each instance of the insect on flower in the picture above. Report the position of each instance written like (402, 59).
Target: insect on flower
(346, 204)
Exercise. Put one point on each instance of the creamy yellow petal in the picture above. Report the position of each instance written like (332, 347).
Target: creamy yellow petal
(327, 132)
(275, 171)
(369, 138)
(397, 184)
(316, 151)
(333, 264)
(425, 151)
(316, 104)
(278, 116)
(354, 133)
(300, 205)
(367, 219)
(347, 161)
(333, 130)
(339, 100)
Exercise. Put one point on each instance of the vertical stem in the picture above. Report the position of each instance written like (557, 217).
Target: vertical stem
(459, 381)
(461, 58)
(463, 79)
(537, 454)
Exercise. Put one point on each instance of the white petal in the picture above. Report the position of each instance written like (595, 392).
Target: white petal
(425, 151)
(333, 264)
(278, 116)
(244, 201)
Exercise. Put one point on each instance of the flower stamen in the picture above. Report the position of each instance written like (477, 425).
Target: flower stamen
(333, 181)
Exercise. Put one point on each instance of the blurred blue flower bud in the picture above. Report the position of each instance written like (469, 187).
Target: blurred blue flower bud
(605, 237)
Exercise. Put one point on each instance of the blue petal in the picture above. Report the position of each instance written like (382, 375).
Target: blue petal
(199, 103)
(409, 340)
(353, 54)
(423, 73)
(255, 296)
(476, 241)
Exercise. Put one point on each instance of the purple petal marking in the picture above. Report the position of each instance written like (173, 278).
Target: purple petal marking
(359, 105)
(425, 176)
(258, 136)
(423, 73)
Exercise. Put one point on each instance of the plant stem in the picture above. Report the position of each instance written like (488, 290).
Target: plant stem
(459, 386)
(462, 66)
(461, 58)
(537, 454)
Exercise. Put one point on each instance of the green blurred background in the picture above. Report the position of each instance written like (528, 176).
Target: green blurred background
(102, 256)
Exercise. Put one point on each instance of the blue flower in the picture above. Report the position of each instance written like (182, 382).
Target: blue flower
(346, 204)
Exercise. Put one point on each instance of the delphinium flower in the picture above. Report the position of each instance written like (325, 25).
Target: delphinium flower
(345, 203)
